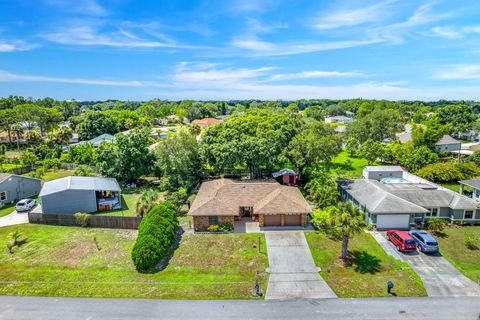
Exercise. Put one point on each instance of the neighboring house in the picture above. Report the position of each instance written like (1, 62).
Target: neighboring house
(203, 123)
(349, 114)
(338, 119)
(404, 137)
(97, 141)
(448, 144)
(75, 138)
(286, 176)
(152, 147)
(4, 137)
(473, 184)
(14, 187)
(269, 203)
(392, 198)
(80, 194)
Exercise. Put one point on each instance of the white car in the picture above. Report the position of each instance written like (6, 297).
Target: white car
(25, 205)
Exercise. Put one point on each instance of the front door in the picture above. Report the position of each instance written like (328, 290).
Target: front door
(246, 212)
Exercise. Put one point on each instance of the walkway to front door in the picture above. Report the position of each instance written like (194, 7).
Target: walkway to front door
(293, 274)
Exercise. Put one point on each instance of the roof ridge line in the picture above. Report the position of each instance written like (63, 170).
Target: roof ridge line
(393, 195)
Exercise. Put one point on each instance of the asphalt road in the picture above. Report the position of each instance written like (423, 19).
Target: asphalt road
(458, 308)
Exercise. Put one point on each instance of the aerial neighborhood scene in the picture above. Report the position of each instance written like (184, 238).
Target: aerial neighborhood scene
(239, 159)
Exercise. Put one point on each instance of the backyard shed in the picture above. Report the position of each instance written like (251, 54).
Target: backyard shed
(80, 194)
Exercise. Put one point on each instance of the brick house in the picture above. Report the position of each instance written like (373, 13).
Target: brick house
(269, 203)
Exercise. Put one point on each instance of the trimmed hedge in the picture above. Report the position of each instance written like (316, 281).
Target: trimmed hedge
(156, 234)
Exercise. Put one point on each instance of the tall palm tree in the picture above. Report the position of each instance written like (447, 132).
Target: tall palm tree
(348, 220)
(17, 130)
(146, 202)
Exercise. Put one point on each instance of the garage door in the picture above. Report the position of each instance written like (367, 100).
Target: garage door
(292, 220)
(272, 220)
(393, 221)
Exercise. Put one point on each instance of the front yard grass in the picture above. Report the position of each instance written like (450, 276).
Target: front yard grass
(7, 209)
(65, 261)
(368, 271)
(453, 248)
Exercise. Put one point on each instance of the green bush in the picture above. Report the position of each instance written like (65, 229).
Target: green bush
(156, 234)
(442, 172)
(471, 241)
(225, 227)
(81, 219)
(213, 228)
(437, 225)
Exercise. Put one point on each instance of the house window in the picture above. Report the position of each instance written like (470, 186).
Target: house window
(433, 212)
(212, 220)
(468, 214)
(3, 196)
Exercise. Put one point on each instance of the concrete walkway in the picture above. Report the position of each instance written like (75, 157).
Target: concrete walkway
(439, 277)
(293, 274)
(13, 219)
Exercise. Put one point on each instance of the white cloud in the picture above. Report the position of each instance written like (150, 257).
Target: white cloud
(352, 17)
(9, 76)
(312, 74)
(448, 32)
(15, 46)
(84, 7)
(458, 72)
(87, 33)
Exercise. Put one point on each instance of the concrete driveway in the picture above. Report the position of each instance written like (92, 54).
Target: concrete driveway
(14, 218)
(293, 274)
(439, 277)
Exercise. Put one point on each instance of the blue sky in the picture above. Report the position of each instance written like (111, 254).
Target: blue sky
(263, 49)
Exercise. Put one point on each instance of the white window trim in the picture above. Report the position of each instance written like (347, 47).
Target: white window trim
(473, 215)
(431, 215)
(5, 195)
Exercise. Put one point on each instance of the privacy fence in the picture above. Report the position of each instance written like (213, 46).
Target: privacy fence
(112, 222)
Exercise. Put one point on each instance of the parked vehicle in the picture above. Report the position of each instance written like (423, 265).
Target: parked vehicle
(402, 240)
(425, 241)
(25, 205)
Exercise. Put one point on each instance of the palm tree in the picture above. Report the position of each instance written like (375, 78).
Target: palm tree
(17, 130)
(146, 202)
(348, 220)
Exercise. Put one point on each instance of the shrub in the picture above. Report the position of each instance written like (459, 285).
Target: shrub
(225, 227)
(320, 218)
(436, 225)
(81, 219)
(156, 234)
(449, 172)
(213, 228)
(471, 241)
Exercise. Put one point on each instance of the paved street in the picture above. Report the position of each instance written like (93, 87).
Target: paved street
(27, 308)
(439, 277)
(293, 273)
(14, 218)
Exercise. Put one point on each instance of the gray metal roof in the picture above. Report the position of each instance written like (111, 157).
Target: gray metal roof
(474, 183)
(80, 183)
(5, 176)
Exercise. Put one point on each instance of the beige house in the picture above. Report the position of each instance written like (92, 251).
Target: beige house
(269, 203)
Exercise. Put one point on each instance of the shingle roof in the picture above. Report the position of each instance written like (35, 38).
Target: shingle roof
(474, 183)
(206, 121)
(225, 197)
(404, 137)
(282, 172)
(447, 139)
(379, 197)
(80, 183)
(377, 200)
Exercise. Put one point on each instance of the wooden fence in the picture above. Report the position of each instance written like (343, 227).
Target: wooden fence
(112, 222)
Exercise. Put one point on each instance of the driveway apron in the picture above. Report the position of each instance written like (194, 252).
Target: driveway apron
(293, 274)
(13, 219)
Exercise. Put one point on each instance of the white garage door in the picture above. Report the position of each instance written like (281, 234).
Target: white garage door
(393, 221)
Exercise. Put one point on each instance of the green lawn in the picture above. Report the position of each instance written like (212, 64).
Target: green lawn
(452, 186)
(348, 167)
(129, 203)
(453, 248)
(8, 166)
(65, 261)
(7, 209)
(56, 174)
(368, 271)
